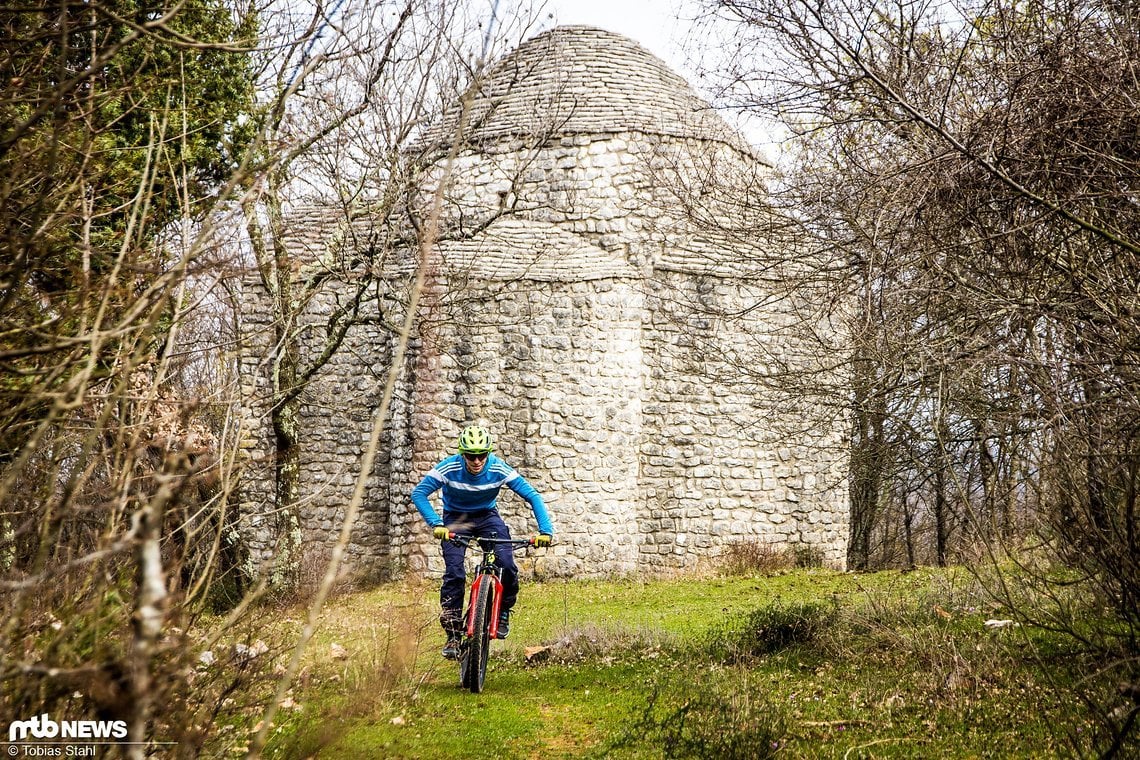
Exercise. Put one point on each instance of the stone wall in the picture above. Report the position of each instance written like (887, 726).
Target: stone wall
(336, 414)
(555, 373)
(613, 398)
(259, 530)
(726, 459)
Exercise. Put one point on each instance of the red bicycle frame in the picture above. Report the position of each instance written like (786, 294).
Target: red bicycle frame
(475, 585)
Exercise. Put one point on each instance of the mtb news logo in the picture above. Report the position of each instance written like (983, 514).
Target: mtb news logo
(43, 727)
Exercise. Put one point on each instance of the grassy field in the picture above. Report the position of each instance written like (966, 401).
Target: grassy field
(801, 663)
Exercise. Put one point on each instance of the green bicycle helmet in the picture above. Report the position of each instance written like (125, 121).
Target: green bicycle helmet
(476, 439)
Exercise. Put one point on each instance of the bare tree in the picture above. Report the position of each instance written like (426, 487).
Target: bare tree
(975, 163)
(130, 136)
(122, 125)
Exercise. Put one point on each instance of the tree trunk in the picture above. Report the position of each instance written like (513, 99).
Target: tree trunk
(866, 470)
(940, 509)
(287, 494)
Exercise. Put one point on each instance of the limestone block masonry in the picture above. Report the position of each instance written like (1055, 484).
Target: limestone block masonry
(594, 302)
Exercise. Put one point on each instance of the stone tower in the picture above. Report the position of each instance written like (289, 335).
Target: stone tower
(608, 296)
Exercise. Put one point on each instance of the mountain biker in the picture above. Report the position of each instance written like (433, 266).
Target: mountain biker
(470, 482)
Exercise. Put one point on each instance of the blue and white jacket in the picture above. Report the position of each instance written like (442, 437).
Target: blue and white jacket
(464, 492)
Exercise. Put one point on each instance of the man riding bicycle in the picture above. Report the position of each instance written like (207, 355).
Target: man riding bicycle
(470, 482)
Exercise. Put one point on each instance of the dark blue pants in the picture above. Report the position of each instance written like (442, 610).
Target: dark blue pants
(484, 524)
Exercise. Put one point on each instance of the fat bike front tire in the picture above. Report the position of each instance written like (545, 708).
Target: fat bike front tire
(479, 645)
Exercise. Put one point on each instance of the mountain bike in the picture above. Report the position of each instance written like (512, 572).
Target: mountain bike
(483, 606)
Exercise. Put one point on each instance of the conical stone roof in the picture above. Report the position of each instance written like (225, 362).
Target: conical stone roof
(583, 80)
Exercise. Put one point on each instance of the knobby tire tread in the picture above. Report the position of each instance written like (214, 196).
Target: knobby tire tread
(481, 640)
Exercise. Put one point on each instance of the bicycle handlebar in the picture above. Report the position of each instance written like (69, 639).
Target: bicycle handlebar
(467, 539)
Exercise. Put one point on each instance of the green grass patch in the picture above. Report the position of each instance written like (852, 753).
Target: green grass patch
(803, 663)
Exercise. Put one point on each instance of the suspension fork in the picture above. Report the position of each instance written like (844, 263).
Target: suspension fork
(496, 604)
